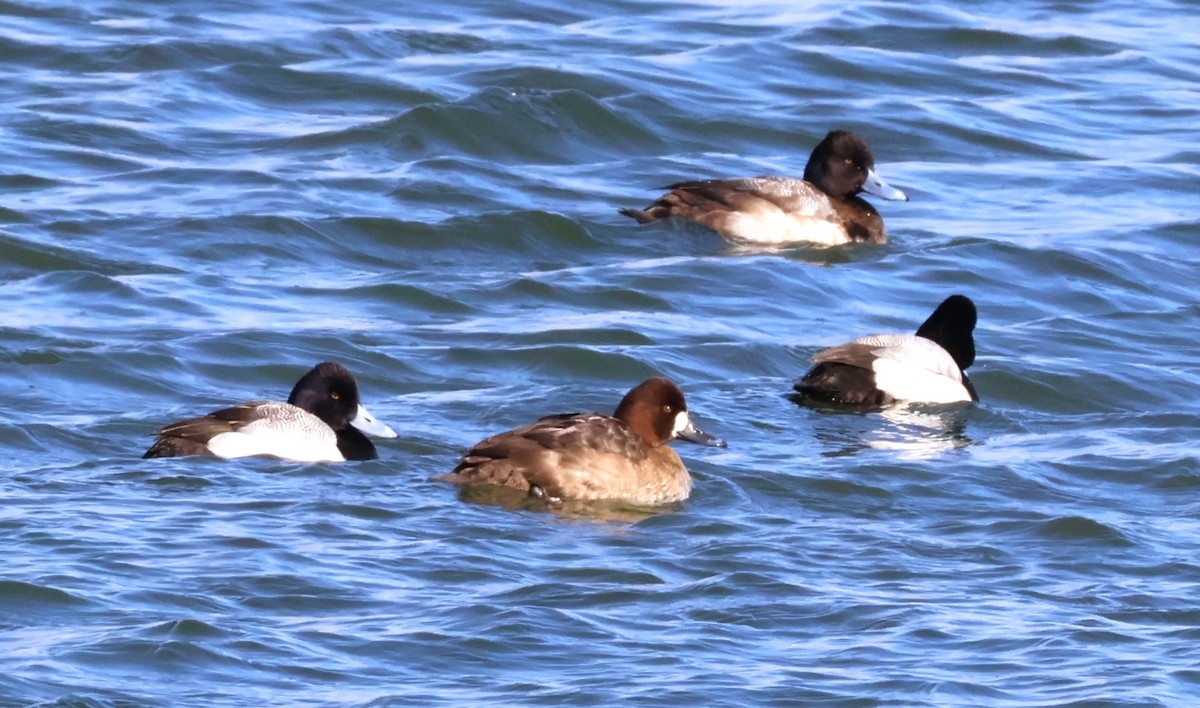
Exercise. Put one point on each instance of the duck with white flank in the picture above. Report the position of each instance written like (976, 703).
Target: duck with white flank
(322, 421)
(880, 369)
(823, 209)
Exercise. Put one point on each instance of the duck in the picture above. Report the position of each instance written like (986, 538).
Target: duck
(824, 208)
(882, 369)
(592, 456)
(322, 421)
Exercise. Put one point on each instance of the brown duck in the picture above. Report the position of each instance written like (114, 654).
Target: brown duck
(592, 456)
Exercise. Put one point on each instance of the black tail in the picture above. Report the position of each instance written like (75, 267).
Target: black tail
(839, 384)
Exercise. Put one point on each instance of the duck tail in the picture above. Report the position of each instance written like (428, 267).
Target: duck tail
(642, 217)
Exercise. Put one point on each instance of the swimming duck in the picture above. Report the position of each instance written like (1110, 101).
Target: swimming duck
(823, 208)
(592, 456)
(322, 421)
(880, 369)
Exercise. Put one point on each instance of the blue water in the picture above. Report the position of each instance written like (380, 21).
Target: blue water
(199, 201)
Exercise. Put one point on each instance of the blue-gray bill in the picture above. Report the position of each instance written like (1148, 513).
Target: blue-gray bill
(694, 435)
(876, 186)
(364, 421)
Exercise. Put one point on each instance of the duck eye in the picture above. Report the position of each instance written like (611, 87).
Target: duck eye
(666, 408)
(335, 396)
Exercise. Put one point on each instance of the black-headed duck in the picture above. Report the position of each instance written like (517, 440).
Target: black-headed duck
(322, 421)
(823, 208)
(881, 369)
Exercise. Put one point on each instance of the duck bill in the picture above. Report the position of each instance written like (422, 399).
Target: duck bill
(695, 435)
(881, 189)
(367, 423)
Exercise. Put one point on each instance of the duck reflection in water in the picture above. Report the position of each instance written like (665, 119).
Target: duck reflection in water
(915, 431)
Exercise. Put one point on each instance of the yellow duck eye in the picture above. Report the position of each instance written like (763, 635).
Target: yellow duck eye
(336, 396)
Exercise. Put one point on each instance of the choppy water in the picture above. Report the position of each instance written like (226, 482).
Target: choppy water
(198, 201)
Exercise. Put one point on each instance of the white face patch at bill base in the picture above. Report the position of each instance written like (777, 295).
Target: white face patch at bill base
(682, 423)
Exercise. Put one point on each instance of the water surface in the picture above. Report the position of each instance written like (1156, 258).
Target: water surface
(200, 201)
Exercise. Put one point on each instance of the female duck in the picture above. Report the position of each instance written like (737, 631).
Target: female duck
(322, 421)
(881, 369)
(592, 456)
(823, 208)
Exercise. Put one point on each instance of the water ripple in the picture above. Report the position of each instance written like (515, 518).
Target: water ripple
(201, 202)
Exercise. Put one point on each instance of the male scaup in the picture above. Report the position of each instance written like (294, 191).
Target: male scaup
(322, 421)
(823, 208)
(592, 456)
(880, 369)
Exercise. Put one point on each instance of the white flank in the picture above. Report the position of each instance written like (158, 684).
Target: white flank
(912, 368)
(917, 352)
(777, 227)
(286, 432)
